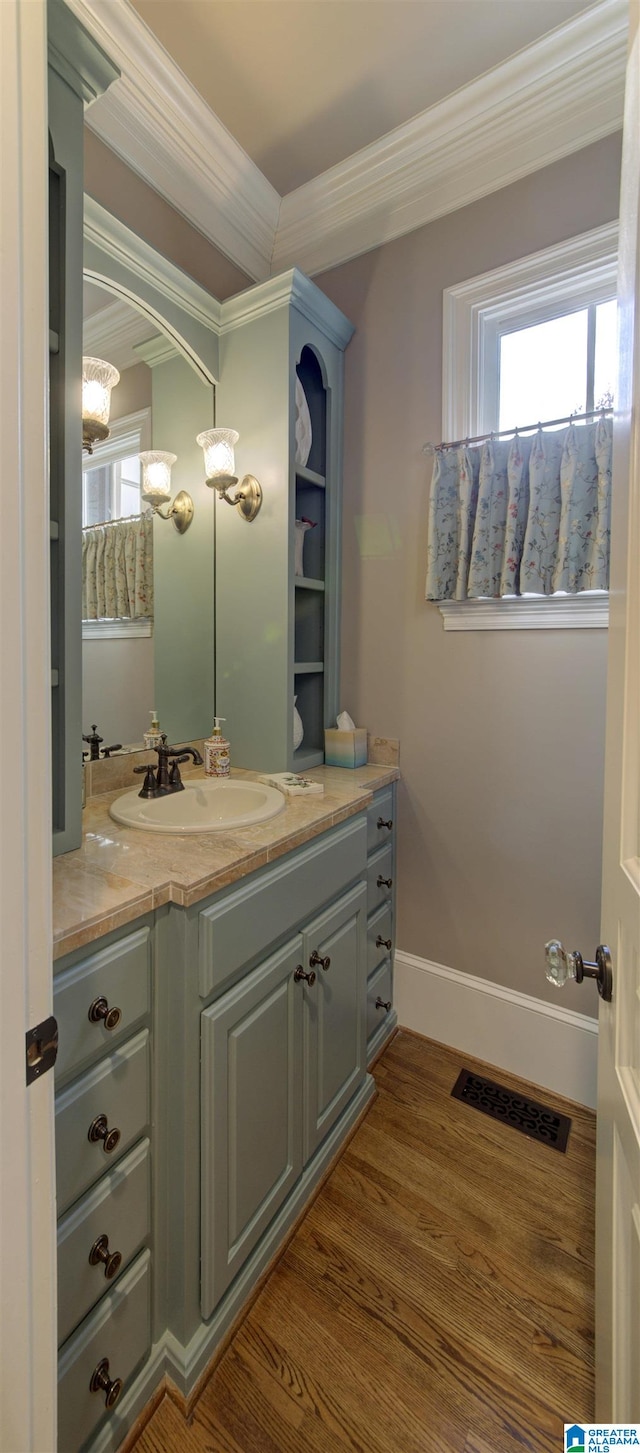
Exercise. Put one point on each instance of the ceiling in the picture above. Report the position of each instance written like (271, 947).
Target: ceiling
(306, 132)
(303, 84)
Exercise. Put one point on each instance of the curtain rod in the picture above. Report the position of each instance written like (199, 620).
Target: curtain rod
(522, 429)
(121, 520)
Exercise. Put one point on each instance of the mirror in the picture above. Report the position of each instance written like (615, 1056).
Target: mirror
(162, 401)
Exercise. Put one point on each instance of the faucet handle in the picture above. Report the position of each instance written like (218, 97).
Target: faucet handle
(149, 786)
(175, 781)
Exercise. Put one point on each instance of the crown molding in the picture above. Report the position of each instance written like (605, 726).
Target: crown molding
(555, 97)
(75, 56)
(292, 288)
(161, 127)
(558, 95)
(156, 350)
(114, 333)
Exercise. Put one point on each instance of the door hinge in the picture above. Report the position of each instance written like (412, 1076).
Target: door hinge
(41, 1048)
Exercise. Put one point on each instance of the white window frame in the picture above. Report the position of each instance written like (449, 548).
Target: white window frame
(476, 313)
(128, 435)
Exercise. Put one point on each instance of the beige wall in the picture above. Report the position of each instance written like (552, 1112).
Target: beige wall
(133, 392)
(500, 805)
(111, 182)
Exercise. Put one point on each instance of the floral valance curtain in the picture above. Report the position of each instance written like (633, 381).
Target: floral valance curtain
(512, 517)
(117, 570)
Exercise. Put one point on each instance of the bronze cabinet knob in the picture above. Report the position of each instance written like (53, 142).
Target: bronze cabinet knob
(301, 973)
(385, 822)
(384, 882)
(317, 961)
(383, 942)
(101, 1382)
(100, 1252)
(99, 1130)
(383, 1003)
(99, 1011)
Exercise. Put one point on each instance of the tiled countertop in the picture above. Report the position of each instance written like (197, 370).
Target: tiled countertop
(120, 873)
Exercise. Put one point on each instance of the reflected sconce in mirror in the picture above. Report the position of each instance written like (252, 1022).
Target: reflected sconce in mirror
(155, 489)
(98, 379)
(218, 446)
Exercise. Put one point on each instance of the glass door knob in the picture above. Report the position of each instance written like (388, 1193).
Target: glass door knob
(563, 965)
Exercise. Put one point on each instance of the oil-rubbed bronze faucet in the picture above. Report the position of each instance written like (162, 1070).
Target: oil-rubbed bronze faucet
(166, 779)
(95, 742)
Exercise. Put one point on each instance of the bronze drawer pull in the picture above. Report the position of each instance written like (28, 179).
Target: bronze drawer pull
(100, 1252)
(385, 822)
(317, 961)
(383, 942)
(383, 1003)
(101, 1382)
(99, 1130)
(384, 882)
(300, 974)
(100, 1010)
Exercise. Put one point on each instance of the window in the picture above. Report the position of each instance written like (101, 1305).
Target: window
(535, 340)
(111, 475)
(111, 491)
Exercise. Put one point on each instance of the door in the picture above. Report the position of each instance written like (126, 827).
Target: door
(27, 1205)
(618, 1163)
(334, 1013)
(251, 1114)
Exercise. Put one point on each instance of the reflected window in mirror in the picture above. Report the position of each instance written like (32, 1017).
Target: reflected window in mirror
(117, 569)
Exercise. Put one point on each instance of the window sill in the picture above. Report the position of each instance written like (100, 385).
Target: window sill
(115, 629)
(527, 613)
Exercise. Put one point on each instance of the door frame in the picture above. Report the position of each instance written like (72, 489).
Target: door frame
(27, 1185)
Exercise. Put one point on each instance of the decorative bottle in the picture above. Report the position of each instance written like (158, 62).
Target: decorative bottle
(217, 759)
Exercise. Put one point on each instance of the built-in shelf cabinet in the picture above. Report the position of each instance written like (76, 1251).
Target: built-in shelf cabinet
(278, 632)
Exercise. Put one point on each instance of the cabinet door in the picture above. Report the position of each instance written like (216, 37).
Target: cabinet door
(251, 1114)
(334, 1013)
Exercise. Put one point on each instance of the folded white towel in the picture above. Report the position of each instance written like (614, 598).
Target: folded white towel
(292, 785)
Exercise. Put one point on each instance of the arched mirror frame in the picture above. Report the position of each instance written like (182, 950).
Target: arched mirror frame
(184, 632)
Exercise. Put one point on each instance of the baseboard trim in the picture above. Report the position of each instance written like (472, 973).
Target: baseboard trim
(547, 1044)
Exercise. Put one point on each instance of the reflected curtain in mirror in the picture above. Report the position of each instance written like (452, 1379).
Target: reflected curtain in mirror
(522, 516)
(117, 570)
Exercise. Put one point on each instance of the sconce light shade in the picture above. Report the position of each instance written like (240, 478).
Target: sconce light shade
(219, 462)
(219, 466)
(156, 475)
(155, 489)
(98, 379)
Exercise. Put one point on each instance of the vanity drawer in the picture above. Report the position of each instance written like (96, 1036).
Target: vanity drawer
(119, 1331)
(118, 1208)
(379, 927)
(379, 877)
(118, 977)
(118, 1088)
(378, 989)
(379, 815)
(235, 929)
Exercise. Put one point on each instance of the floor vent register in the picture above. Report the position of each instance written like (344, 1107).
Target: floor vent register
(537, 1121)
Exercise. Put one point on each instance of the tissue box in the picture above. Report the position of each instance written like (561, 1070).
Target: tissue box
(345, 749)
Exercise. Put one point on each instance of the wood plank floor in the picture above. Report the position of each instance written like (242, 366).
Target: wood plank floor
(437, 1298)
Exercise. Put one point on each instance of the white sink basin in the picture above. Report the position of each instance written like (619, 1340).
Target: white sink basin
(212, 805)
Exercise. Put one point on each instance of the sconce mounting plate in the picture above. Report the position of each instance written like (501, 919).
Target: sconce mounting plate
(181, 511)
(248, 498)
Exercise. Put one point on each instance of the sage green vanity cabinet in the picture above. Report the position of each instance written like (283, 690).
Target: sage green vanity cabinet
(381, 897)
(280, 633)
(283, 1054)
(102, 1001)
(225, 1045)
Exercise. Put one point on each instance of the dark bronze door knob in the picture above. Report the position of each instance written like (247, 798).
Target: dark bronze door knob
(383, 942)
(301, 973)
(385, 822)
(100, 1011)
(317, 961)
(383, 1003)
(384, 882)
(100, 1252)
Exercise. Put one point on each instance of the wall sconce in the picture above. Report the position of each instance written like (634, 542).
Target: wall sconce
(98, 379)
(219, 464)
(156, 489)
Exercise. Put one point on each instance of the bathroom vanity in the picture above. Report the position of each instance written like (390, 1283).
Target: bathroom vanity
(217, 1014)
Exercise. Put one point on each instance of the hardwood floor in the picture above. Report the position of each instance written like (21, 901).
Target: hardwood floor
(437, 1298)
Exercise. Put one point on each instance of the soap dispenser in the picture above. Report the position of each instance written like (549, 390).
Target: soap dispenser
(153, 737)
(217, 760)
